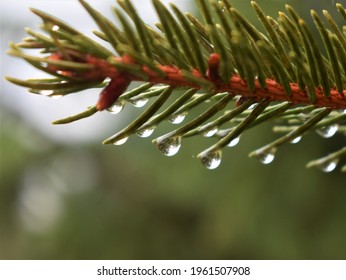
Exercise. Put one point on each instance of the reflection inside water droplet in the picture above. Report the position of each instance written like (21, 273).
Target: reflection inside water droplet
(55, 96)
(210, 132)
(146, 132)
(116, 107)
(140, 102)
(121, 141)
(177, 119)
(46, 92)
(234, 142)
(328, 131)
(211, 159)
(296, 140)
(169, 146)
(55, 28)
(329, 166)
(267, 157)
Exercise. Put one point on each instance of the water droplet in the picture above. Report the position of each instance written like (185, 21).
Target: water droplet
(139, 102)
(176, 119)
(146, 132)
(55, 96)
(211, 159)
(116, 107)
(296, 140)
(169, 145)
(328, 131)
(329, 166)
(121, 141)
(234, 142)
(267, 157)
(46, 92)
(211, 132)
(55, 28)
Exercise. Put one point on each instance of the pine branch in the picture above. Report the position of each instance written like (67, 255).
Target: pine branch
(247, 77)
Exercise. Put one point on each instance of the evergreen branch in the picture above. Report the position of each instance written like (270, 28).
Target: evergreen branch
(211, 157)
(329, 162)
(283, 73)
(121, 136)
(266, 153)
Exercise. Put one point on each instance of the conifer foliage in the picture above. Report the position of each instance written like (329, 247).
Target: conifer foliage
(245, 77)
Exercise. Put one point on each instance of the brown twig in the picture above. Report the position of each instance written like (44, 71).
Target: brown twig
(174, 76)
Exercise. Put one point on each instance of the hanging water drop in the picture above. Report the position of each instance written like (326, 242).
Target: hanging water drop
(146, 132)
(328, 131)
(211, 132)
(55, 28)
(329, 166)
(47, 92)
(169, 146)
(267, 157)
(211, 159)
(296, 140)
(139, 102)
(116, 107)
(234, 142)
(177, 119)
(55, 96)
(121, 141)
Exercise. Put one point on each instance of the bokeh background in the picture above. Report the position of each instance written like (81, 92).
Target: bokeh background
(63, 195)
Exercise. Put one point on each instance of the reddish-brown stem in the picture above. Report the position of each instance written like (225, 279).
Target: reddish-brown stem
(174, 76)
(273, 90)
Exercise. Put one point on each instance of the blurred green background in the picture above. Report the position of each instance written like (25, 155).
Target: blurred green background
(62, 199)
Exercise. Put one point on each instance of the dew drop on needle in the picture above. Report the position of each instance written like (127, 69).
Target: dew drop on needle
(328, 131)
(121, 141)
(177, 119)
(116, 107)
(169, 146)
(146, 132)
(211, 159)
